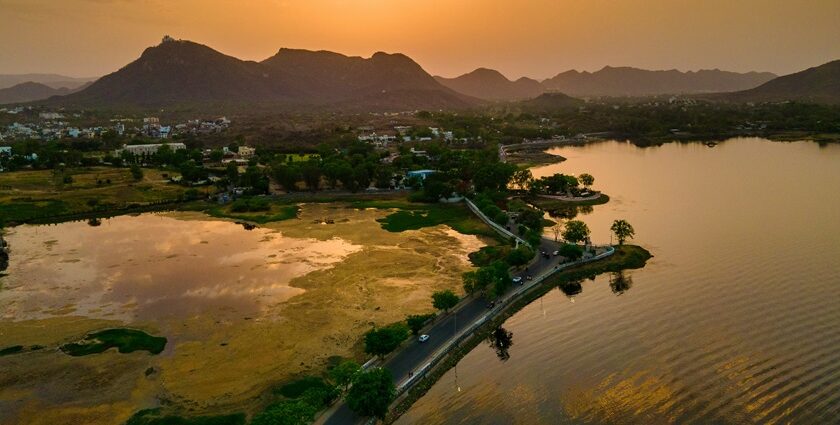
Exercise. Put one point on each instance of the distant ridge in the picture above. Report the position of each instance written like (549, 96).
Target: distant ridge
(51, 80)
(30, 91)
(489, 84)
(626, 81)
(183, 72)
(820, 84)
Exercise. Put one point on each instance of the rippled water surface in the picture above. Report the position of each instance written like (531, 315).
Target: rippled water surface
(736, 319)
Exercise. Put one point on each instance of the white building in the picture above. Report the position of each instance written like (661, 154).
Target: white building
(149, 149)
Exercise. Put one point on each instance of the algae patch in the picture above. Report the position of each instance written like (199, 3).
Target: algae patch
(124, 340)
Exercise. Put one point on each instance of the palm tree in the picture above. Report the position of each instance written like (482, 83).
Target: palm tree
(623, 230)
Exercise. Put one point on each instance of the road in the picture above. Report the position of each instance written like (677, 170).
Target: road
(413, 356)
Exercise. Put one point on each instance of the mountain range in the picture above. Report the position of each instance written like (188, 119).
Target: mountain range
(183, 73)
(819, 84)
(489, 84)
(626, 81)
(30, 91)
(51, 80)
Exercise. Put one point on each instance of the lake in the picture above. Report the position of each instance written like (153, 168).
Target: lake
(736, 319)
(243, 310)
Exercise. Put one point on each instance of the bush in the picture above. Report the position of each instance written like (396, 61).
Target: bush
(520, 256)
(572, 252)
(382, 341)
(250, 205)
(416, 322)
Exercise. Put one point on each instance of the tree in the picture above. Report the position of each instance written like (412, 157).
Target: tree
(623, 230)
(586, 179)
(311, 175)
(576, 231)
(382, 341)
(372, 392)
(416, 322)
(343, 374)
(136, 172)
(520, 256)
(444, 300)
(557, 229)
(572, 252)
(522, 179)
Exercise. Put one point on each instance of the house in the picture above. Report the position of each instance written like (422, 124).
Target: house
(246, 152)
(422, 174)
(149, 149)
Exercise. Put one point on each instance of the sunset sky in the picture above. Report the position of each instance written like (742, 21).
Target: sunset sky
(536, 38)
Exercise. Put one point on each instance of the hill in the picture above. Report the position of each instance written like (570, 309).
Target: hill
(185, 73)
(626, 81)
(819, 84)
(51, 80)
(550, 101)
(29, 91)
(489, 84)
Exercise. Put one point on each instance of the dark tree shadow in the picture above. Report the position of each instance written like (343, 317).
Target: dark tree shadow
(500, 341)
(620, 282)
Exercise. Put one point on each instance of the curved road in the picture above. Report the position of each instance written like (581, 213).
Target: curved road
(415, 354)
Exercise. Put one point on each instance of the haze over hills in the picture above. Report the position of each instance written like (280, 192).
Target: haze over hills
(29, 91)
(820, 84)
(51, 80)
(490, 84)
(183, 72)
(626, 81)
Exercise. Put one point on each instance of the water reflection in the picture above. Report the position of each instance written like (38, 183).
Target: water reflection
(737, 320)
(571, 288)
(152, 265)
(500, 341)
(621, 282)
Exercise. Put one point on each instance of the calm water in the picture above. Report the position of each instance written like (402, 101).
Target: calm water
(736, 320)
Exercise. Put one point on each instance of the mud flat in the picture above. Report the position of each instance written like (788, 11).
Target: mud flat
(242, 310)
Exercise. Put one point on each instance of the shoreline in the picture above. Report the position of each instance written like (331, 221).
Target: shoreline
(627, 257)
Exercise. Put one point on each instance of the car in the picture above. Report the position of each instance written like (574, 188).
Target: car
(517, 280)
(556, 253)
(529, 277)
(423, 338)
(491, 304)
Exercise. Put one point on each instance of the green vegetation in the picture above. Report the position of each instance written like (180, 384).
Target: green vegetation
(416, 322)
(155, 417)
(418, 216)
(622, 230)
(444, 300)
(379, 342)
(486, 255)
(344, 373)
(626, 257)
(274, 212)
(492, 280)
(372, 392)
(570, 251)
(14, 349)
(34, 195)
(576, 231)
(250, 205)
(125, 340)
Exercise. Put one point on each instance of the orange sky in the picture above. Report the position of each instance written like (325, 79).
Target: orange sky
(536, 38)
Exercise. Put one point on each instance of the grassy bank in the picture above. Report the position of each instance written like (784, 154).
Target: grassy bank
(154, 417)
(549, 204)
(626, 257)
(124, 340)
(30, 196)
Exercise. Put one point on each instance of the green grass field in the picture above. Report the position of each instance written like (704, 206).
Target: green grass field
(26, 195)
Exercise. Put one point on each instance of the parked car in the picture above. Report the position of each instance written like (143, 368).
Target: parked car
(423, 338)
(517, 280)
